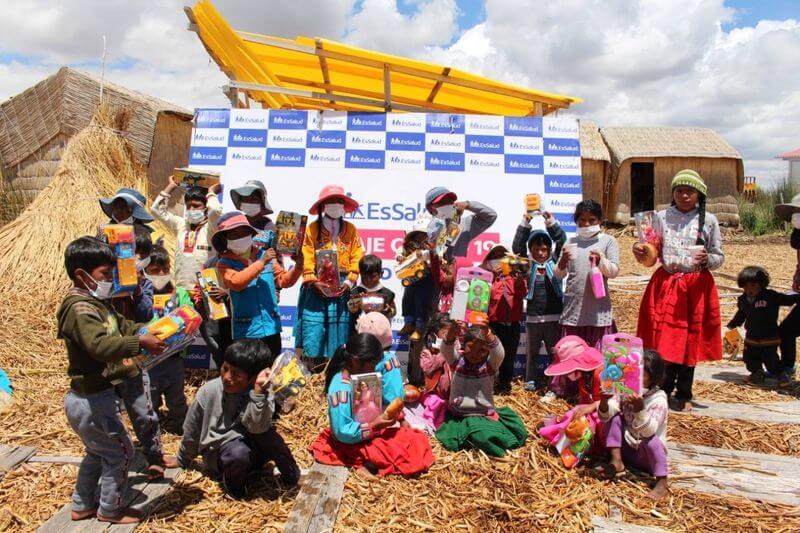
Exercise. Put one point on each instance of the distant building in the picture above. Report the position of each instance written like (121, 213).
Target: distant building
(793, 157)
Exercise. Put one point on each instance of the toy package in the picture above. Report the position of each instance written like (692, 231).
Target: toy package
(120, 237)
(290, 228)
(372, 303)
(533, 203)
(327, 268)
(512, 264)
(444, 232)
(265, 240)
(648, 235)
(471, 293)
(287, 377)
(571, 437)
(731, 341)
(413, 267)
(624, 364)
(367, 397)
(208, 279)
(163, 304)
(188, 177)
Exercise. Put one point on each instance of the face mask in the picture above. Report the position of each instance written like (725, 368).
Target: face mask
(334, 211)
(141, 264)
(446, 212)
(128, 220)
(240, 246)
(159, 282)
(103, 289)
(194, 216)
(588, 232)
(796, 221)
(437, 344)
(250, 210)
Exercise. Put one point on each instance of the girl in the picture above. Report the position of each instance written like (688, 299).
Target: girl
(585, 315)
(437, 373)
(679, 315)
(376, 446)
(324, 316)
(636, 428)
(251, 199)
(474, 421)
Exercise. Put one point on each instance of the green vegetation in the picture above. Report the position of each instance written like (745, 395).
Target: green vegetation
(758, 217)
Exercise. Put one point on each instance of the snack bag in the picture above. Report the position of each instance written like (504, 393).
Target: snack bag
(327, 268)
(471, 293)
(187, 177)
(624, 364)
(208, 280)
(287, 377)
(290, 229)
(367, 397)
(120, 237)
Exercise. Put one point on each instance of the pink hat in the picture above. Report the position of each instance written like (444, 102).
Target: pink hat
(227, 222)
(377, 324)
(572, 353)
(333, 192)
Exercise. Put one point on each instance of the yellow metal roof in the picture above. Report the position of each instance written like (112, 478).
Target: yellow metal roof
(307, 73)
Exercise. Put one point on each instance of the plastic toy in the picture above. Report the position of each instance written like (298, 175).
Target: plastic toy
(120, 237)
(413, 268)
(598, 284)
(290, 229)
(372, 303)
(187, 177)
(287, 377)
(367, 399)
(209, 280)
(648, 236)
(411, 393)
(265, 240)
(731, 341)
(624, 365)
(327, 268)
(571, 437)
(471, 294)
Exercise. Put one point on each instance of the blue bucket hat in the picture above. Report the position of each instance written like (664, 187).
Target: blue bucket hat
(135, 200)
(438, 193)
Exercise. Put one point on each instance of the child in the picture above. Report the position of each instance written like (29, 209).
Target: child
(580, 365)
(251, 275)
(419, 296)
(376, 446)
(127, 207)
(505, 312)
(94, 335)
(251, 199)
(679, 315)
(636, 428)
(167, 377)
(442, 203)
(758, 310)
(544, 297)
(370, 267)
(437, 372)
(230, 422)
(790, 327)
(474, 421)
(201, 211)
(585, 315)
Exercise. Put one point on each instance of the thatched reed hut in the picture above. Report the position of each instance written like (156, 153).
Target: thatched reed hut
(36, 124)
(644, 160)
(595, 161)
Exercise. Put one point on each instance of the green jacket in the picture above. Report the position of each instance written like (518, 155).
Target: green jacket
(95, 335)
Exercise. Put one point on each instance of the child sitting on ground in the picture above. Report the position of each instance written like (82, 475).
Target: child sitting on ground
(474, 422)
(580, 365)
(370, 269)
(95, 335)
(636, 427)
(436, 391)
(377, 446)
(230, 422)
(758, 310)
(392, 378)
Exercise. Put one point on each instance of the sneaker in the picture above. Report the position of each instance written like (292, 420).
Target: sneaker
(756, 378)
(784, 381)
(531, 386)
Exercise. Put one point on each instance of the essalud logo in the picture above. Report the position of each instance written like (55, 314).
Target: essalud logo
(209, 137)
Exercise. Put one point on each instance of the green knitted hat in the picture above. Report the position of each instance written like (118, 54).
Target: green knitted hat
(689, 178)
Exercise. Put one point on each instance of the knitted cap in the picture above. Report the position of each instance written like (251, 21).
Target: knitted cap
(690, 178)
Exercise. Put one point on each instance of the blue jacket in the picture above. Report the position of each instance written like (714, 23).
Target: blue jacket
(255, 308)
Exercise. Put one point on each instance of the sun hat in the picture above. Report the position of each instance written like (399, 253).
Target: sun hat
(333, 192)
(437, 194)
(376, 324)
(573, 354)
(785, 211)
(135, 200)
(690, 178)
(249, 188)
(227, 222)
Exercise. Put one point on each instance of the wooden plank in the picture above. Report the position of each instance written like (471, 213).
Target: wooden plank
(755, 476)
(607, 525)
(11, 456)
(317, 503)
(725, 374)
(56, 459)
(770, 413)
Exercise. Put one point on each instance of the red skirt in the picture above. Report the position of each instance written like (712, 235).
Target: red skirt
(679, 316)
(402, 451)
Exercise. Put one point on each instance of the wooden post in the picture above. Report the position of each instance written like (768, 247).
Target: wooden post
(387, 87)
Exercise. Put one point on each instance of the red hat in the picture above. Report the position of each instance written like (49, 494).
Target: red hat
(573, 354)
(333, 192)
(227, 222)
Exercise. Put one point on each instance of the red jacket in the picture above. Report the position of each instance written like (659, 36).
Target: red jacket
(505, 303)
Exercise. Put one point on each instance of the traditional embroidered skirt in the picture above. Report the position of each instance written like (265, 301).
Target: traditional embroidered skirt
(494, 437)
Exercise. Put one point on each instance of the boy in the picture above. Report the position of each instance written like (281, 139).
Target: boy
(230, 421)
(443, 204)
(370, 268)
(94, 334)
(758, 310)
(168, 376)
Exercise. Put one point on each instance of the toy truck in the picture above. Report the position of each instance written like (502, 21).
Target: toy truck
(121, 238)
(188, 177)
(413, 268)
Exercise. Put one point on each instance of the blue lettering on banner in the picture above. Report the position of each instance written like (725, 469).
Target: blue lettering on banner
(409, 160)
(366, 122)
(444, 123)
(286, 157)
(364, 159)
(405, 141)
(326, 139)
(207, 137)
(444, 161)
(565, 147)
(566, 221)
(562, 185)
(484, 144)
(250, 120)
(247, 156)
(288, 314)
(287, 119)
(379, 211)
(207, 155)
(247, 138)
(524, 164)
(212, 118)
(523, 126)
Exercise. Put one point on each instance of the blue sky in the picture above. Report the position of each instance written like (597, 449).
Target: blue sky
(749, 12)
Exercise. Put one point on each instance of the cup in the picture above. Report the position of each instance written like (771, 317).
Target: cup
(695, 251)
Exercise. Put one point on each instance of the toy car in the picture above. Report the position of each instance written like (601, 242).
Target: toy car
(413, 268)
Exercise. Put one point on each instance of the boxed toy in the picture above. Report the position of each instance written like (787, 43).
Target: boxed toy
(188, 177)
(367, 397)
(290, 228)
(413, 267)
(208, 279)
(471, 293)
(624, 364)
(121, 238)
(327, 269)
(287, 377)
(648, 236)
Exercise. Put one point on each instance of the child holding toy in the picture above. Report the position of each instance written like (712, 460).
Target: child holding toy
(790, 327)
(378, 325)
(94, 335)
(420, 293)
(636, 428)
(443, 204)
(370, 267)
(679, 315)
(127, 206)
(436, 370)
(379, 447)
(251, 199)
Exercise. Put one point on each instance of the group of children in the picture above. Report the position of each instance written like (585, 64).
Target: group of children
(455, 369)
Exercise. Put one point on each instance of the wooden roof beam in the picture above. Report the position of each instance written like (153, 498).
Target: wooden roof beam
(437, 86)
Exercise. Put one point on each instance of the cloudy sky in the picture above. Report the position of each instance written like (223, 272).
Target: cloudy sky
(731, 65)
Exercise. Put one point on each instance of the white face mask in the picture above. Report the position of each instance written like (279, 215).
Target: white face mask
(588, 232)
(446, 212)
(103, 289)
(240, 246)
(128, 220)
(159, 282)
(796, 221)
(194, 216)
(249, 209)
(141, 264)
(437, 344)
(334, 211)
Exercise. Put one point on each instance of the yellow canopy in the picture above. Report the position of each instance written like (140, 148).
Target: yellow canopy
(307, 73)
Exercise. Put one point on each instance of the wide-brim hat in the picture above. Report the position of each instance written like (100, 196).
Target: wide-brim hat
(437, 194)
(574, 354)
(785, 211)
(333, 192)
(249, 188)
(135, 200)
(227, 222)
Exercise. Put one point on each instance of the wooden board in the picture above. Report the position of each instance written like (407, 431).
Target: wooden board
(608, 525)
(318, 502)
(770, 413)
(11, 456)
(756, 476)
(56, 459)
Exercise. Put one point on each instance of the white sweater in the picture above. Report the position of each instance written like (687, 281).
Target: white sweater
(652, 420)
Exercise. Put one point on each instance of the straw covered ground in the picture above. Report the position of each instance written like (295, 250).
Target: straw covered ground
(528, 489)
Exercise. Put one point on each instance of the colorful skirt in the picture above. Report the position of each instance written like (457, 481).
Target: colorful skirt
(494, 437)
(680, 317)
(402, 451)
(323, 325)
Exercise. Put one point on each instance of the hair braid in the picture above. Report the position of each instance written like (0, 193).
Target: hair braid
(702, 219)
